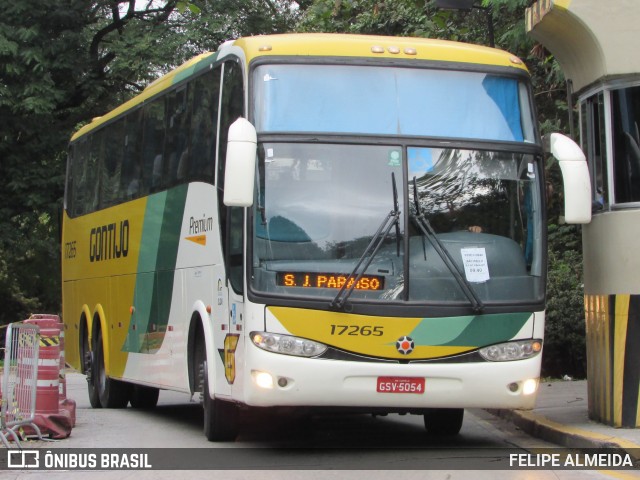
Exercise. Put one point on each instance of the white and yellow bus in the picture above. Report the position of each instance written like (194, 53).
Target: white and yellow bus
(318, 221)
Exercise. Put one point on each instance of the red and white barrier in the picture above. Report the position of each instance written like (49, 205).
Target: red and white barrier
(55, 414)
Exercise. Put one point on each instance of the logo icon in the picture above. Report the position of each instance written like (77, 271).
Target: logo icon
(405, 345)
(23, 459)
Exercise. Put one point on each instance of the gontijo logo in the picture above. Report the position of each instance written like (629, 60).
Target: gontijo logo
(110, 241)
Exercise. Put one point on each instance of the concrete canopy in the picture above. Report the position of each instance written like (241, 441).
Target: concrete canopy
(591, 39)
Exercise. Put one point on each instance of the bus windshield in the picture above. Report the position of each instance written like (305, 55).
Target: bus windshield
(391, 101)
(318, 206)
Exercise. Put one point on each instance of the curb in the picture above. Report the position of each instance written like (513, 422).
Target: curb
(571, 437)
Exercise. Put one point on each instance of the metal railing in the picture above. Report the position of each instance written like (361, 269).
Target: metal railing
(19, 381)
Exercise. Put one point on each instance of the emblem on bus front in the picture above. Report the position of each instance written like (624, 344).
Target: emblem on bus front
(405, 345)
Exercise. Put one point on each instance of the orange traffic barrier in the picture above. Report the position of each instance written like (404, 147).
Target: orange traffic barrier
(55, 414)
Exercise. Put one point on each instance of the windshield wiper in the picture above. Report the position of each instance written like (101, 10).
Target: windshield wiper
(430, 234)
(369, 253)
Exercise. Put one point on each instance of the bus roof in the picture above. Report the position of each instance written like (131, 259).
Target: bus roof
(322, 45)
(370, 46)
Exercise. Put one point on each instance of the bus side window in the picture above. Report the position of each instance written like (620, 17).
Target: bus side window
(91, 169)
(79, 181)
(205, 92)
(70, 184)
(111, 164)
(153, 147)
(131, 173)
(232, 108)
(176, 148)
(231, 218)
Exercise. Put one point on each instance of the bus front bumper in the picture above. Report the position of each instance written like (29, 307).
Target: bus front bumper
(275, 380)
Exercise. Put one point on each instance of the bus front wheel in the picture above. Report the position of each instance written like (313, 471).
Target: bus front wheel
(220, 417)
(443, 421)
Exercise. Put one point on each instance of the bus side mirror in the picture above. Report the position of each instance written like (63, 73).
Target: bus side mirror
(240, 166)
(575, 176)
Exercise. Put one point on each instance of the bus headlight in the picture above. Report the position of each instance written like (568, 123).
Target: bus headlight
(287, 344)
(518, 350)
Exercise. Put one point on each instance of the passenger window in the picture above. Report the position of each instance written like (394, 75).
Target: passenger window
(131, 177)
(176, 149)
(153, 147)
(205, 92)
(111, 165)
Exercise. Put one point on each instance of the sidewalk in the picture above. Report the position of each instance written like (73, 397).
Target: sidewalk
(561, 417)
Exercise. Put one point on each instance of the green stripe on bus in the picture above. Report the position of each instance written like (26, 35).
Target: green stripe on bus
(471, 330)
(193, 70)
(156, 267)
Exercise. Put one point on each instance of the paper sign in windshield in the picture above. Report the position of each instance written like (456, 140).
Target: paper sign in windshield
(475, 264)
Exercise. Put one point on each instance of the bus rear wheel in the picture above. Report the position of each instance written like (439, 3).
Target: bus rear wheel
(443, 421)
(112, 393)
(220, 417)
(89, 366)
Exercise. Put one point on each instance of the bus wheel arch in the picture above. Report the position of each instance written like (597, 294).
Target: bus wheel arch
(220, 417)
(195, 340)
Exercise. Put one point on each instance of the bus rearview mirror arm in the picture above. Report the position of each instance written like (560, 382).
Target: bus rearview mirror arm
(240, 166)
(575, 177)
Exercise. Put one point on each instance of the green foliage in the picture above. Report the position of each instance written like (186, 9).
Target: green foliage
(63, 62)
(564, 347)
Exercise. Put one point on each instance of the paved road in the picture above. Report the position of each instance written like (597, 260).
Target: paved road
(360, 446)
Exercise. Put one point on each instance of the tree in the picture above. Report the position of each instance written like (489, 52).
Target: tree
(63, 62)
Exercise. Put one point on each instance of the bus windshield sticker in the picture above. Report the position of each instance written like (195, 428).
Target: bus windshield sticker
(476, 268)
(395, 159)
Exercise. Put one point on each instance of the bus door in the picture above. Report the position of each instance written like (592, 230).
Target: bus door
(235, 283)
(231, 227)
(229, 310)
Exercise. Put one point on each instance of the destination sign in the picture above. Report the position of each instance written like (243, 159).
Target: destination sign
(328, 280)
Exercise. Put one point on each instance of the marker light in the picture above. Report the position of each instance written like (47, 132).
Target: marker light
(506, 352)
(287, 344)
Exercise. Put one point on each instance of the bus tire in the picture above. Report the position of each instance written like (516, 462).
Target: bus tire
(443, 421)
(144, 397)
(89, 366)
(220, 417)
(112, 393)
(92, 383)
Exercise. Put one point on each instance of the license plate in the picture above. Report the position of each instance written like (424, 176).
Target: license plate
(400, 385)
